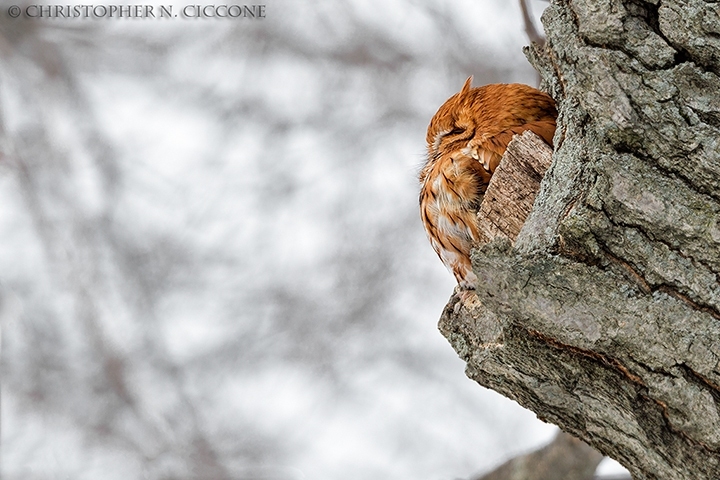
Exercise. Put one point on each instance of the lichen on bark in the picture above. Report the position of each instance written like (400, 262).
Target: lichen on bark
(604, 315)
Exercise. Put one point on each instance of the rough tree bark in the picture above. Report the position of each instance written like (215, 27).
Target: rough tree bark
(603, 316)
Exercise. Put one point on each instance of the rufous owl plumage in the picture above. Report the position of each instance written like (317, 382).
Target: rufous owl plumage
(466, 140)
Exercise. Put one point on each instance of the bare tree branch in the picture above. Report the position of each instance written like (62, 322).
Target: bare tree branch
(530, 30)
(565, 458)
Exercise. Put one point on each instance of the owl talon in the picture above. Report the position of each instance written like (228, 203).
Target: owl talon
(465, 298)
(458, 305)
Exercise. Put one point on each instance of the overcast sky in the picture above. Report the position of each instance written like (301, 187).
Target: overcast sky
(212, 260)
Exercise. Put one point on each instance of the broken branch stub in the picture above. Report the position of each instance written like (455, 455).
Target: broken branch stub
(511, 193)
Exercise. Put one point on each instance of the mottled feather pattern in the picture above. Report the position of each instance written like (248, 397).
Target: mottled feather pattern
(466, 140)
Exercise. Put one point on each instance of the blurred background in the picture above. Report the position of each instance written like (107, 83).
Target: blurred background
(212, 264)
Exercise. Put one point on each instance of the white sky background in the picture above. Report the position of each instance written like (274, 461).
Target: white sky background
(212, 261)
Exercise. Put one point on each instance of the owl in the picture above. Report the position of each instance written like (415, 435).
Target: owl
(466, 139)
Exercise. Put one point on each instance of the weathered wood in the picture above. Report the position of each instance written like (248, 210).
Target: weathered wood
(511, 193)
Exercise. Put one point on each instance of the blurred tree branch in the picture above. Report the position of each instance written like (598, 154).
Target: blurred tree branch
(530, 29)
(565, 458)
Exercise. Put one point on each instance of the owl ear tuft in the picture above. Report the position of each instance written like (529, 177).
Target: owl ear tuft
(466, 87)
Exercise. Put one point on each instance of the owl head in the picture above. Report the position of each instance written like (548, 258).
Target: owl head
(480, 122)
(452, 125)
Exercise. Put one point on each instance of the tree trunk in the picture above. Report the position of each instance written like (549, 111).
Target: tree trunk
(603, 316)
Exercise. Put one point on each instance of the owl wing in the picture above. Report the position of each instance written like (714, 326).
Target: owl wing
(449, 200)
(490, 149)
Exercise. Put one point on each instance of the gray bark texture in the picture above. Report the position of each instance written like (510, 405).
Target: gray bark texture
(603, 315)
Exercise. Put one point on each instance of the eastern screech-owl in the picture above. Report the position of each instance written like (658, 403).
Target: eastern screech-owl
(466, 140)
